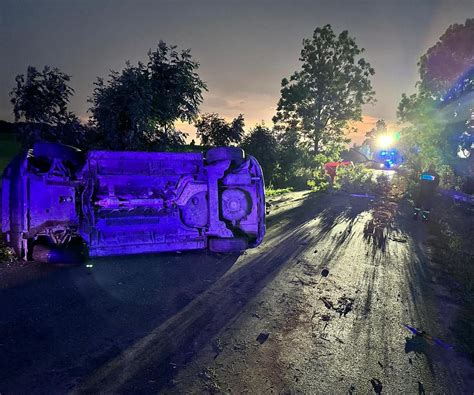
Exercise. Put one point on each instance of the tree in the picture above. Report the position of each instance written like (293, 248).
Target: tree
(429, 135)
(318, 101)
(137, 108)
(40, 101)
(42, 97)
(261, 144)
(448, 59)
(215, 131)
(292, 161)
(422, 137)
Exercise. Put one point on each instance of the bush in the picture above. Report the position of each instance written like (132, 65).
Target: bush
(319, 181)
(357, 179)
(6, 253)
(269, 192)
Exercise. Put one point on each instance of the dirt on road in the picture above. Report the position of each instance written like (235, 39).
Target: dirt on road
(340, 298)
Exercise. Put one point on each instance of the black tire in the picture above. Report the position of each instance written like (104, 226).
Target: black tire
(58, 151)
(234, 154)
(54, 255)
(228, 245)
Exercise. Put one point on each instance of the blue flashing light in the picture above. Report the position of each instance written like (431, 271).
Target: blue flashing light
(427, 177)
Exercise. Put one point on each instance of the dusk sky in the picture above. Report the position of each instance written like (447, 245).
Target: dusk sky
(244, 48)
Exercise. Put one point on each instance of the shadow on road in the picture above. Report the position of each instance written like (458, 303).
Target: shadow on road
(131, 321)
(64, 323)
(152, 362)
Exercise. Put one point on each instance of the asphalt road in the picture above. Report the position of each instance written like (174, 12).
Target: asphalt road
(263, 322)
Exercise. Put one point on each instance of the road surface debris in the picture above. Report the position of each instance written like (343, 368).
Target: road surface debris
(377, 385)
(345, 306)
(327, 302)
(262, 337)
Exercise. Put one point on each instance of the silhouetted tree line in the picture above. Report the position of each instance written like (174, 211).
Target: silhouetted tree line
(137, 108)
(134, 109)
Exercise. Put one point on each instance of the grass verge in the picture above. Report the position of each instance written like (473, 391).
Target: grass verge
(7, 255)
(269, 192)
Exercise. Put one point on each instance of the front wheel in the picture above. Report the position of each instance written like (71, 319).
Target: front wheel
(234, 154)
(58, 151)
(227, 245)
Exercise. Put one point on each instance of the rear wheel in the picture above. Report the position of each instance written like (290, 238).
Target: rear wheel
(234, 244)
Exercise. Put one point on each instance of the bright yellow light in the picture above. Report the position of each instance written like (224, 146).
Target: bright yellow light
(385, 141)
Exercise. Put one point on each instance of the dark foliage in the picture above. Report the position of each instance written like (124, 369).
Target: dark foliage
(137, 108)
(431, 135)
(448, 59)
(261, 144)
(215, 131)
(42, 97)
